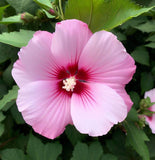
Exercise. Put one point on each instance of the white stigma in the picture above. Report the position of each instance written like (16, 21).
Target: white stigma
(69, 84)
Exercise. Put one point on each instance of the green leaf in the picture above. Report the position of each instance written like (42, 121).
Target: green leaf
(132, 115)
(83, 152)
(1, 129)
(8, 105)
(150, 45)
(151, 38)
(17, 39)
(20, 141)
(141, 55)
(133, 22)
(146, 82)
(23, 6)
(3, 3)
(116, 145)
(12, 19)
(3, 89)
(13, 154)
(7, 77)
(135, 98)
(136, 137)
(101, 14)
(120, 36)
(95, 151)
(7, 52)
(2, 117)
(153, 70)
(45, 4)
(151, 145)
(80, 152)
(17, 115)
(73, 135)
(2, 10)
(12, 95)
(109, 157)
(147, 27)
(38, 151)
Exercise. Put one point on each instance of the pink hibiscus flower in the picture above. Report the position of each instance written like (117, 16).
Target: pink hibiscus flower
(151, 120)
(73, 77)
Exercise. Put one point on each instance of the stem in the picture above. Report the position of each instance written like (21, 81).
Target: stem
(61, 11)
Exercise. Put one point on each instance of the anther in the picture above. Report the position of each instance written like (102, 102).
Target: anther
(69, 84)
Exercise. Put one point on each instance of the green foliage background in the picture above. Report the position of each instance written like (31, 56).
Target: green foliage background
(130, 140)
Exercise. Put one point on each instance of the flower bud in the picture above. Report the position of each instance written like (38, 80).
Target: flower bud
(51, 11)
(27, 17)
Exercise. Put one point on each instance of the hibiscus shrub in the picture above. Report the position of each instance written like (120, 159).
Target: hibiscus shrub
(77, 80)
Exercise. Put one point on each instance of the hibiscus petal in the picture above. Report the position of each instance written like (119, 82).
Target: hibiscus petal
(120, 89)
(151, 120)
(106, 60)
(19, 74)
(151, 94)
(97, 109)
(69, 40)
(35, 60)
(44, 108)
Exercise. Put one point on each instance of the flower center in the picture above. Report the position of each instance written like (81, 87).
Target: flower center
(69, 84)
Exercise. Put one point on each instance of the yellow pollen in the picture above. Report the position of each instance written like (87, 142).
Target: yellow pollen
(69, 84)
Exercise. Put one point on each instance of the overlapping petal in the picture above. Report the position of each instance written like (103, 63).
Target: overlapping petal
(19, 74)
(151, 120)
(97, 109)
(106, 60)
(44, 108)
(69, 39)
(120, 89)
(35, 60)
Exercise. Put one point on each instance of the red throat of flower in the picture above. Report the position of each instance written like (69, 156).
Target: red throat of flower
(73, 79)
